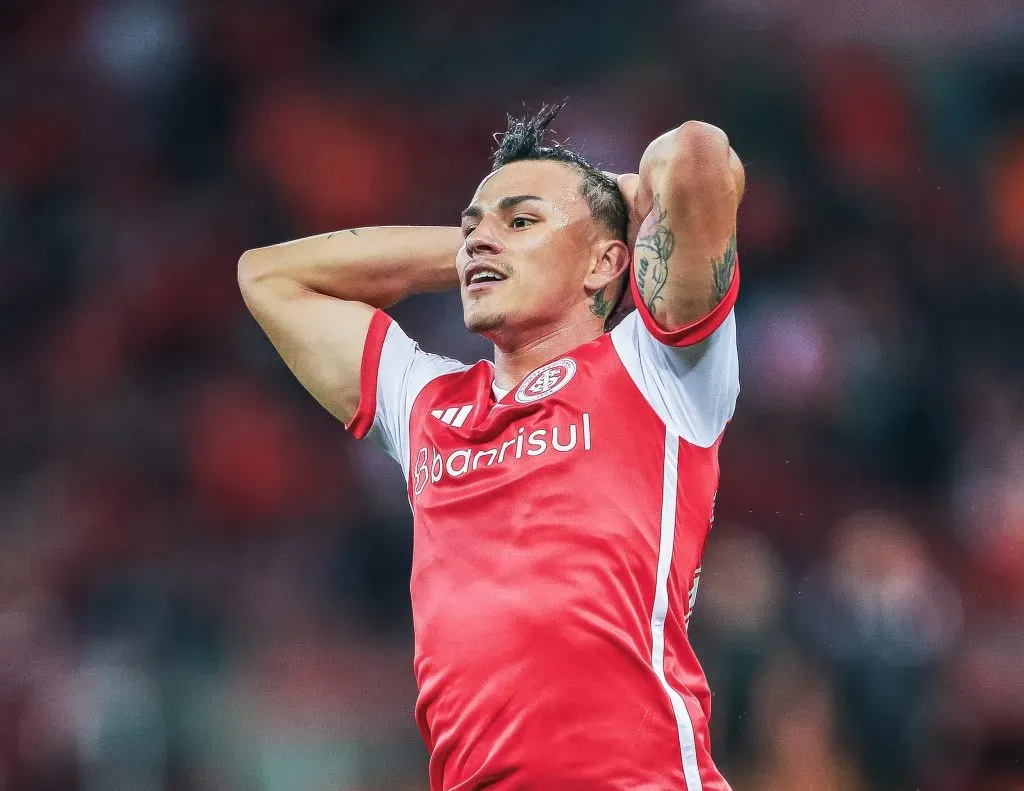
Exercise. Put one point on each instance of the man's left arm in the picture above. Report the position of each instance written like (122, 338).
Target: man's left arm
(684, 266)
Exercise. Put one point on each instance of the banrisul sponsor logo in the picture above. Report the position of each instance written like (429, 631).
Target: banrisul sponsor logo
(432, 465)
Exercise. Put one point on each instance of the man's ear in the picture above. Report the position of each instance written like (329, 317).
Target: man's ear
(610, 262)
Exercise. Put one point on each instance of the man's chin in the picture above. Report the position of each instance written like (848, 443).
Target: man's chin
(483, 323)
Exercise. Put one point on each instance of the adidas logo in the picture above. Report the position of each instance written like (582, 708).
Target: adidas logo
(453, 416)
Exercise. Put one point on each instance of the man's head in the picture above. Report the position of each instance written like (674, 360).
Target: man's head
(551, 227)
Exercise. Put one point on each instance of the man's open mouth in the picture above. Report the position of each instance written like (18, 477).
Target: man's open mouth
(479, 276)
(483, 277)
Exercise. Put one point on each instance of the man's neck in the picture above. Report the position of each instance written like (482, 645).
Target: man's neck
(513, 363)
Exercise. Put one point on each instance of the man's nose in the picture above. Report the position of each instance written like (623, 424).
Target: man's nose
(483, 240)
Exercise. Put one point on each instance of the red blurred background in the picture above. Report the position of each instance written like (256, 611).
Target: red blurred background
(204, 581)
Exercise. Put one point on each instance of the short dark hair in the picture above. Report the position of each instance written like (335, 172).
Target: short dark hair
(524, 140)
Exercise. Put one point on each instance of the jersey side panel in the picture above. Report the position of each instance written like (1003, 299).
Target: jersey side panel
(695, 497)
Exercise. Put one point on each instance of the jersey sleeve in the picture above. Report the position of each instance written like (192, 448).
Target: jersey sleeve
(392, 373)
(699, 330)
(692, 387)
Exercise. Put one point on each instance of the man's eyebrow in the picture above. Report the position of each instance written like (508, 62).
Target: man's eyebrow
(506, 203)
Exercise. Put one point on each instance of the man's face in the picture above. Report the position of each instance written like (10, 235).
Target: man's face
(528, 224)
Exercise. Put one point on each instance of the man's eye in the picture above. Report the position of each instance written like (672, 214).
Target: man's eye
(521, 220)
(468, 230)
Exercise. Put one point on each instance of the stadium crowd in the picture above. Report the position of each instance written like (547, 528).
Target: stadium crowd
(204, 580)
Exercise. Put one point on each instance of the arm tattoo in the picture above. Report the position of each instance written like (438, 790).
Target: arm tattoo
(722, 270)
(350, 230)
(654, 246)
(601, 307)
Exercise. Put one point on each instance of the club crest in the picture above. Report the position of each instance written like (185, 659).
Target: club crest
(546, 380)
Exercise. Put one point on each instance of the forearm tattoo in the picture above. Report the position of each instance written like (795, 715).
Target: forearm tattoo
(335, 233)
(654, 246)
(722, 270)
(601, 306)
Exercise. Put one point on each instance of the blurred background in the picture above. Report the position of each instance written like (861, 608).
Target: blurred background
(204, 580)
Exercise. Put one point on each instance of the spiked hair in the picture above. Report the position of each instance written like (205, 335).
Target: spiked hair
(524, 140)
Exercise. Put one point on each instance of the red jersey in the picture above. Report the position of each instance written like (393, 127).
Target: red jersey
(558, 535)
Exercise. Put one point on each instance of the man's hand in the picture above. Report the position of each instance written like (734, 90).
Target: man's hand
(639, 206)
(628, 185)
(639, 202)
(639, 198)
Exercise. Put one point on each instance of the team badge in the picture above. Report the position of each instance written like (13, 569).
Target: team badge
(546, 380)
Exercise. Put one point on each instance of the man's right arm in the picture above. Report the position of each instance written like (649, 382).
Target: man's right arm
(315, 297)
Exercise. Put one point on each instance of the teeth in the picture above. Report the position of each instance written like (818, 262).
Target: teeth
(481, 276)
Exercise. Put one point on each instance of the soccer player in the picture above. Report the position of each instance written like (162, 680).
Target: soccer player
(562, 495)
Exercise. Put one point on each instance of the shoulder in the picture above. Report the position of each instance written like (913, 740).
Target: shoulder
(692, 388)
(401, 354)
(403, 370)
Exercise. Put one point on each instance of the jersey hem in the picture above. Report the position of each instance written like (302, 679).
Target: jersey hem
(697, 331)
(366, 411)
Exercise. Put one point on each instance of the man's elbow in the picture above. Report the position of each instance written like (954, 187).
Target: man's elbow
(251, 269)
(703, 161)
(701, 133)
(739, 175)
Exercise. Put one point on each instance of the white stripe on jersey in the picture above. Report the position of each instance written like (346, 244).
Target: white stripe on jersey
(460, 418)
(687, 745)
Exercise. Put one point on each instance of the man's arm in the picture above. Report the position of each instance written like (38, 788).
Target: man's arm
(315, 297)
(689, 189)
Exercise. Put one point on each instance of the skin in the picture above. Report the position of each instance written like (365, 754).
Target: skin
(315, 297)
(563, 268)
(683, 206)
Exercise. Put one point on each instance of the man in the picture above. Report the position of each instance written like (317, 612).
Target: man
(562, 494)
